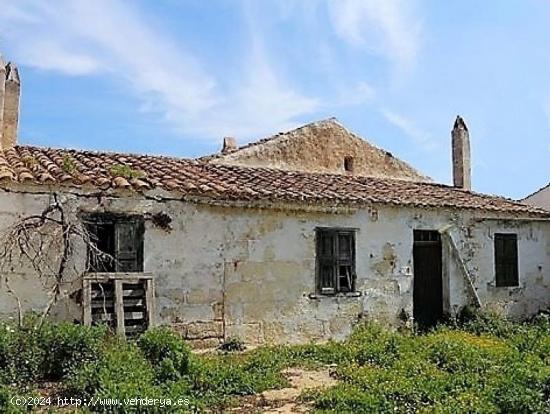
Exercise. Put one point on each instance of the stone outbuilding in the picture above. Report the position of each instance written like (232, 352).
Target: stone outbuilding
(540, 198)
(281, 241)
(325, 146)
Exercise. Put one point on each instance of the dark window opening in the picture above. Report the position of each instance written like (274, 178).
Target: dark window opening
(120, 238)
(348, 164)
(335, 261)
(506, 260)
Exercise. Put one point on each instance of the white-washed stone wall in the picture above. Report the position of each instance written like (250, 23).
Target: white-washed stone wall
(250, 272)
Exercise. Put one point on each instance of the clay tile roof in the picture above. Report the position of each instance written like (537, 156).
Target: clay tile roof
(192, 178)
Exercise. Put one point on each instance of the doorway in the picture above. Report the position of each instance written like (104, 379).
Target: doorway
(428, 279)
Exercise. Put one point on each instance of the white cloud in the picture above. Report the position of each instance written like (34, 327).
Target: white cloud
(80, 37)
(48, 55)
(420, 137)
(385, 27)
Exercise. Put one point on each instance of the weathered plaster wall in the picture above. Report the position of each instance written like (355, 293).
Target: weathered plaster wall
(251, 272)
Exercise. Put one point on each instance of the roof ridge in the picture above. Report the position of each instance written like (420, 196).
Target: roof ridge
(102, 152)
(292, 133)
(273, 137)
(223, 182)
(544, 187)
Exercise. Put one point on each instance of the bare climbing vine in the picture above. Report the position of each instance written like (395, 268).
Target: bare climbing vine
(45, 244)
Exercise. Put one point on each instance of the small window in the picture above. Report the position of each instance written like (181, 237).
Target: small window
(348, 164)
(506, 260)
(335, 261)
(120, 238)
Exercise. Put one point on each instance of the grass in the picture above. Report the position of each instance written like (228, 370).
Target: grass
(125, 171)
(484, 365)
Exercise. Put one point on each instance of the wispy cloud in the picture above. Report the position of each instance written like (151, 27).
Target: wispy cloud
(408, 127)
(546, 110)
(386, 27)
(79, 37)
(262, 101)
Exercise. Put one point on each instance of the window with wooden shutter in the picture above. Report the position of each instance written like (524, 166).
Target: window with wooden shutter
(335, 261)
(120, 238)
(129, 245)
(116, 292)
(506, 260)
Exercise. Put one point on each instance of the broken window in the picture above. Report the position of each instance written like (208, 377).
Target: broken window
(506, 260)
(120, 238)
(335, 261)
(115, 290)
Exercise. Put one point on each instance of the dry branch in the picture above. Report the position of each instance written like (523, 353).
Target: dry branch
(46, 243)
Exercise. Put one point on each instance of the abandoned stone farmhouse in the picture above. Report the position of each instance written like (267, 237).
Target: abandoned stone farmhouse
(288, 239)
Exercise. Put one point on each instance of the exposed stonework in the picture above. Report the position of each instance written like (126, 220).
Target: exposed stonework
(10, 88)
(229, 145)
(461, 155)
(324, 146)
(540, 198)
(250, 273)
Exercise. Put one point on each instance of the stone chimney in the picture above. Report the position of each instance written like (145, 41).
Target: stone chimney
(2, 95)
(229, 145)
(461, 155)
(10, 89)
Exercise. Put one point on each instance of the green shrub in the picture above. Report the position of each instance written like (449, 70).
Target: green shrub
(483, 365)
(6, 406)
(455, 351)
(348, 398)
(215, 379)
(21, 355)
(29, 354)
(166, 351)
(70, 346)
(484, 322)
(121, 372)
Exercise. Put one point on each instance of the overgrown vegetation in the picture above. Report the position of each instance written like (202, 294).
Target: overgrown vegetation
(480, 364)
(69, 164)
(125, 171)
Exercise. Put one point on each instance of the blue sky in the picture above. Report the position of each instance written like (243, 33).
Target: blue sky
(174, 77)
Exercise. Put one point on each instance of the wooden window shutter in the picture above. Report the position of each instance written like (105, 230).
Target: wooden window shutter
(129, 245)
(335, 261)
(506, 260)
(345, 261)
(326, 258)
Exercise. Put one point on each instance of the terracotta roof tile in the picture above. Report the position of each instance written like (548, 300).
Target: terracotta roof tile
(43, 166)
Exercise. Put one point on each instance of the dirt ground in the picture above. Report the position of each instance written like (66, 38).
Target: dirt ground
(285, 400)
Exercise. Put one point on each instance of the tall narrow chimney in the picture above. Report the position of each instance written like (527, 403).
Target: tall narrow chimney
(461, 155)
(2, 95)
(229, 145)
(10, 106)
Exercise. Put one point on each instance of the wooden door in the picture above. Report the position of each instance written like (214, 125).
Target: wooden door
(428, 282)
